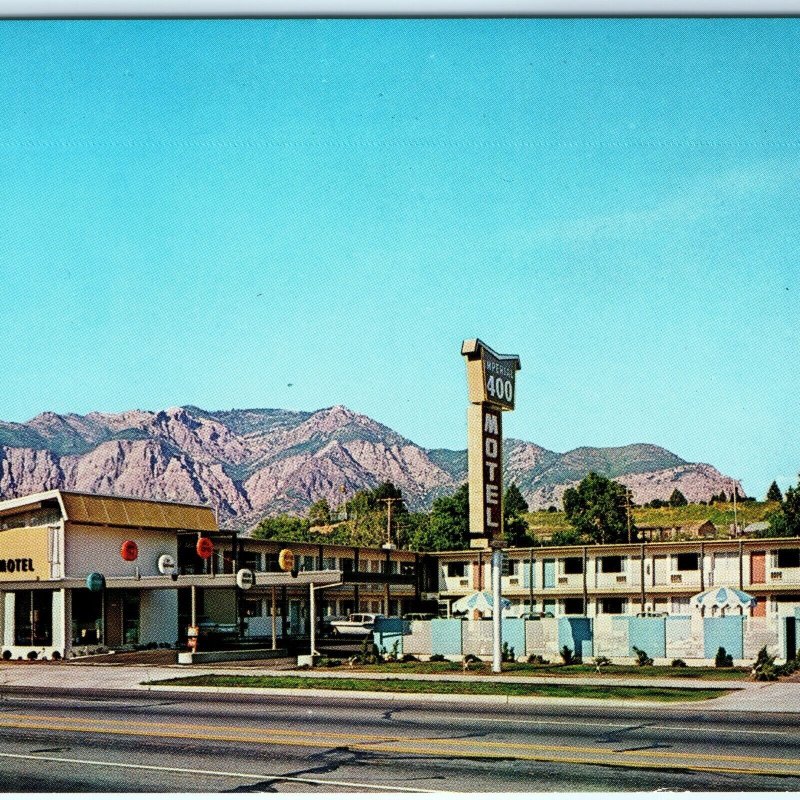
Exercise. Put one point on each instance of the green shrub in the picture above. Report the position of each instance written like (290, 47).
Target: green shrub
(723, 659)
(601, 661)
(678, 662)
(406, 657)
(472, 659)
(507, 653)
(537, 659)
(642, 659)
(437, 657)
(567, 656)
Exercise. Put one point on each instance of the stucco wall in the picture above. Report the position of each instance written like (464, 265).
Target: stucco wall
(97, 549)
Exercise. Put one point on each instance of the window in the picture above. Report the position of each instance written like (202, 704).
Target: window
(573, 566)
(680, 605)
(250, 560)
(272, 563)
(788, 558)
(510, 567)
(251, 607)
(612, 605)
(457, 569)
(308, 563)
(328, 562)
(687, 562)
(612, 564)
(573, 605)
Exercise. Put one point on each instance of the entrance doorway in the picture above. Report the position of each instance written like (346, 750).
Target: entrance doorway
(790, 639)
(33, 618)
(295, 622)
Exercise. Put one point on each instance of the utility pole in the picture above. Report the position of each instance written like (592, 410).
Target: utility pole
(735, 518)
(628, 509)
(388, 500)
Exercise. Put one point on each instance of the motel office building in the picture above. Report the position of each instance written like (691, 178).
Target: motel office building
(51, 542)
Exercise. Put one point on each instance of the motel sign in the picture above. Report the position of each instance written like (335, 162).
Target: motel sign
(490, 390)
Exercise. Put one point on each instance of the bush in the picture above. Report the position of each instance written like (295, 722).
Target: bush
(406, 657)
(368, 653)
(472, 659)
(6, 655)
(567, 656)
(507, 653)
(722, 659)
(601, 661)
(32, 655)
(437, 657)
(642, 659)
(764, 668)
(678, 662)
(56, 655)
(329, 662)
(536, 659)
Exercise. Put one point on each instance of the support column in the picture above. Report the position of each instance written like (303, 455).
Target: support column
(497, 625)
(274, 620)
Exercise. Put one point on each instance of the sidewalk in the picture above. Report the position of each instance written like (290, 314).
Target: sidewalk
(777, 697)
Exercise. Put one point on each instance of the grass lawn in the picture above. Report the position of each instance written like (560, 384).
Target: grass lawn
(441, 687)
(560, 670)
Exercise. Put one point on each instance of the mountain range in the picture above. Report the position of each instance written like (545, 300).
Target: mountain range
(255, 462)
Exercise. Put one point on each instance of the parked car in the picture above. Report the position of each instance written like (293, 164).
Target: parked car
(656, 614)
(533, 615)
(355, 625)
(417, 616)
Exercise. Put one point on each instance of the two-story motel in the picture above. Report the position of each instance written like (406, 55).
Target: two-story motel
(51, 542)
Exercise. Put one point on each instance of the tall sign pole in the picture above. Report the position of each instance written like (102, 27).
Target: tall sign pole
(490, 390)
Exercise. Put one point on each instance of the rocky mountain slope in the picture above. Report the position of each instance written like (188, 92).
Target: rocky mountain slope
(250, 463)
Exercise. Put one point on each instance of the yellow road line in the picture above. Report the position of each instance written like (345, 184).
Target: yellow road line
(418, 745)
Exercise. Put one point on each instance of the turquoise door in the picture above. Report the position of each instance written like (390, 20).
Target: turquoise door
(528, 579)
(549, 573)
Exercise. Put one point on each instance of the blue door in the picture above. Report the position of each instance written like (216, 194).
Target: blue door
(549, 573)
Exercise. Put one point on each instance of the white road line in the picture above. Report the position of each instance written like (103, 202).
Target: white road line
(622, 725)
(215, 774)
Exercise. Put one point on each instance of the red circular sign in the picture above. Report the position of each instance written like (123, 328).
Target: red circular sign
(129, 550)
(205, 547)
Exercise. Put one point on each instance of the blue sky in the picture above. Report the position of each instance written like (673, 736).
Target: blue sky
(300, 213)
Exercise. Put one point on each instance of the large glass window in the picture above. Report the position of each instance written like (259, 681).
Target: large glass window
(33, 618)
(456, 569)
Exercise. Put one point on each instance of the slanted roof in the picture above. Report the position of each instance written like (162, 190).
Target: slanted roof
(96, 509)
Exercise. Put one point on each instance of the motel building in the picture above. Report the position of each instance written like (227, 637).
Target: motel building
(55, 544)
(611, 597)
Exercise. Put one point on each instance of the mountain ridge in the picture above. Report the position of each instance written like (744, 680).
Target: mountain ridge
(249, 463)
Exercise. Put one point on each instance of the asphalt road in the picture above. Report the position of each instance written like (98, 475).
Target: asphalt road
(137, 742)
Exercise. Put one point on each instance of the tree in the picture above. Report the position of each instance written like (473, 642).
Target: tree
(447, 527)
(282, 528)
(774, 493)
(786, 522)
(513, 502)
(319, 512)
(597, 507)
(677, 498)
(514, 526)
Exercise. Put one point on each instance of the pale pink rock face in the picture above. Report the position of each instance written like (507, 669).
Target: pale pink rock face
(254, 462)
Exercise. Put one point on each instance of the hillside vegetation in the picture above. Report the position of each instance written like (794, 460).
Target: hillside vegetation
(543, 524)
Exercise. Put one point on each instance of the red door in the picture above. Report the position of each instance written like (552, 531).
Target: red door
(760, 609)
(758, 571)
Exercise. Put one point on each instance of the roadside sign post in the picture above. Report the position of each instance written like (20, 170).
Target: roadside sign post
(491, 390)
